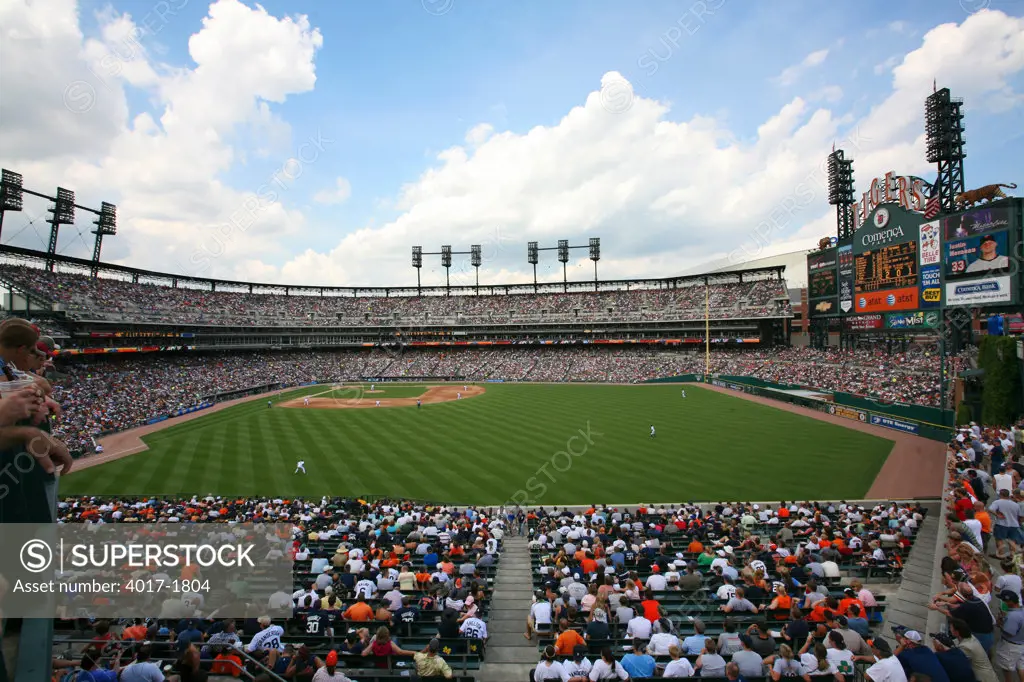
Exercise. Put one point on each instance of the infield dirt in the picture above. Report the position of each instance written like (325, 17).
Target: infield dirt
(433, 395)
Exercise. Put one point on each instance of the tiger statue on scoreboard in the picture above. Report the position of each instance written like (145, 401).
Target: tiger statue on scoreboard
(986, 193)
(824, 243)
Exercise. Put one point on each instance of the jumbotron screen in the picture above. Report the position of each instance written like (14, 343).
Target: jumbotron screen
(890, 267)
(822, 284)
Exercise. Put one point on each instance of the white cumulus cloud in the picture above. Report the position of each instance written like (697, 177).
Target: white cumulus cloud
(338, 194)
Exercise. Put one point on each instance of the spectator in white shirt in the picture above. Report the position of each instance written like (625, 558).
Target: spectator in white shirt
(678, 666)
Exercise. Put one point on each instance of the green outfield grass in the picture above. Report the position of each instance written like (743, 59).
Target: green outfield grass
(487, 449)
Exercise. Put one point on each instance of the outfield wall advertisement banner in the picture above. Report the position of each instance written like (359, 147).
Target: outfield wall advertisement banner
(847, 413)
(895, 424)
(980, 291)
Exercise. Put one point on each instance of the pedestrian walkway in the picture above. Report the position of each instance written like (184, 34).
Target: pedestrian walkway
(909, 606)
(510, 656)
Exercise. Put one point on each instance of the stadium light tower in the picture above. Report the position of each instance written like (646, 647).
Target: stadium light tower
(563, 258)
(446, 263)
(105, 224)
(595, 255)
(10, 193)
(63, 214)
(532, 257)
(475, 258)
(417, 262)
(944, 145)
(840, 191)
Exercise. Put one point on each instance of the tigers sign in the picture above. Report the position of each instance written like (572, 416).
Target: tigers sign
(907, 191)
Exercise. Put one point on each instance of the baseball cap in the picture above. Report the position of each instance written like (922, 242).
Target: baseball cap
(881, 645)
(579, 651)
(1010, 596)
(332, 658)
(912, 635)
(943, 639)
(434, 645)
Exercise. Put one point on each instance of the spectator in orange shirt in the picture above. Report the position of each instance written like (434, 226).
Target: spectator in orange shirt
(652, 608)
(588, 564)
(360, 611)
(850, 598)
(982, 516)
(695, 547)
(222, 663)
(137, 630)
(567, 639)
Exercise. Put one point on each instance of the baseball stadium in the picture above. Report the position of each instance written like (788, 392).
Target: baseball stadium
(803, 466)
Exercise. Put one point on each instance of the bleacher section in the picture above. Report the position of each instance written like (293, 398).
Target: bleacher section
(108, 299)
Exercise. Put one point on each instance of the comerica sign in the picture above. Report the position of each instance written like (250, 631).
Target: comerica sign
(907, 191)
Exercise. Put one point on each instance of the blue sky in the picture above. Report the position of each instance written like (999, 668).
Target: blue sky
(397, 84)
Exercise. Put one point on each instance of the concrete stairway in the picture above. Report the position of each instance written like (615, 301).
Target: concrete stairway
(908, 607)
(510, 657)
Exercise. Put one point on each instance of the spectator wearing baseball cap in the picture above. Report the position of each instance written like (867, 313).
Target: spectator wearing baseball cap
(329, 670)
(1010, 648)
(886, 667)
(953, 661)
(916, 658)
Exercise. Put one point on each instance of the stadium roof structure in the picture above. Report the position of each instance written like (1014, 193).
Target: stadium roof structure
(793, 262)
(17, 254)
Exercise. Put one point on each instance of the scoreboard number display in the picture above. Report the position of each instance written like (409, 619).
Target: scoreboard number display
(890, 267)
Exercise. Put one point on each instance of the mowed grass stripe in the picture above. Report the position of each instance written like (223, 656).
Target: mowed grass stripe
(483, 449)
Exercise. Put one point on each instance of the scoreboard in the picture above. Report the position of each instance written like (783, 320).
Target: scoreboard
(889, 267)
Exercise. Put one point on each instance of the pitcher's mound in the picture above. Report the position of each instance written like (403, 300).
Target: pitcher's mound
(434, 394)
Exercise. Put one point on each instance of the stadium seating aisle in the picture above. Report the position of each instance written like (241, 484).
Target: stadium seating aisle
(510, 657)
(917, 579)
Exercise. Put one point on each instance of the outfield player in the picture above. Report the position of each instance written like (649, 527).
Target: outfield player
(684, 392)
(301, 465)
(269, 403)
(419, 404)
(652, 430)
(458, 396)
(372, 387)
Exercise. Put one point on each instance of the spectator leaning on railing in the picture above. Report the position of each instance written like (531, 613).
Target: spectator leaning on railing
(26, 446)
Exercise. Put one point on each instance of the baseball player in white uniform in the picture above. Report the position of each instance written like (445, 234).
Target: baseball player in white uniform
(378, 403)
(458, 396)
(305, 401)
(652, 430)
(300, 466)
(683, 392)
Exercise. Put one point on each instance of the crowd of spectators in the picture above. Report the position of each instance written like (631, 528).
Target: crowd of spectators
(369, 576)
(105, 298)
(756, 588)
(982, 561)
(114, 393)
